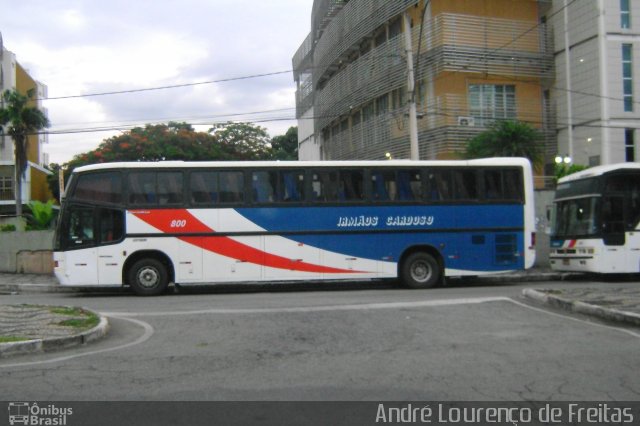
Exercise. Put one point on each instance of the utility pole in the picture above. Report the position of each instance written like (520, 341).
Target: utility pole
(411, 84)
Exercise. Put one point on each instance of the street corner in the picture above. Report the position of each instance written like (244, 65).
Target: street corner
(620, 305)
(29, 329)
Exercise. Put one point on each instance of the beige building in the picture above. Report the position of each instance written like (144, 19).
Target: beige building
(34, 185)
(475, 61)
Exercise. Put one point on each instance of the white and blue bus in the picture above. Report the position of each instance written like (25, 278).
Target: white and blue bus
(146, 225)
(596, 221)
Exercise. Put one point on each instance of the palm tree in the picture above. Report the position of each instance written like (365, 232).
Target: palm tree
(21, 121)
(507, 139)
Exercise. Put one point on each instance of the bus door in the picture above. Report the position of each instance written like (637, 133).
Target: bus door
(613, 233)
(110, 226)
(79, 244)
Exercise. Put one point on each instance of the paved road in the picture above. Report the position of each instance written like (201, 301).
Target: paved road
(380, 343)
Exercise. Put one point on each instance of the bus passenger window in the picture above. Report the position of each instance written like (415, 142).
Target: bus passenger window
(204, 187)
(291, 186)
(231, 186)
(111, 225)
(383, 186)
(409, 185)
(170, 188)
(262, 184)
(439, 185)
(351, 185)
(325, 186)
(142, 188)
(465, 185)
(100, 187)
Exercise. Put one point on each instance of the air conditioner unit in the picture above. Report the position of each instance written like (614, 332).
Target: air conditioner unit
(466, 121)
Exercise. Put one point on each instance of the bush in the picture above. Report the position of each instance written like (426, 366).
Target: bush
(7, 228)
(41, 215)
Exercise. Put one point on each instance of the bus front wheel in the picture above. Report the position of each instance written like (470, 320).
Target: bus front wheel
(148, 277)
(420, 270)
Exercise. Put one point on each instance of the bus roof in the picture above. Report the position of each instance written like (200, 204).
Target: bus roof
(599, 171)
(502, 161)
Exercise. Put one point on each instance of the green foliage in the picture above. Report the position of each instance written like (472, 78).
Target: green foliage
(9, 227)
(562, 170)
(245, 140)
(285, 147)
(41, 215)
(507, 139)
(180, 141)
(20, 120)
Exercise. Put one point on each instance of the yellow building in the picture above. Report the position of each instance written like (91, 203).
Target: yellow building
(34, 185)
(475, 61)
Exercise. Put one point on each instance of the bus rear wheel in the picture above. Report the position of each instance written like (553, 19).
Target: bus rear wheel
(420, 270)
(148, 277)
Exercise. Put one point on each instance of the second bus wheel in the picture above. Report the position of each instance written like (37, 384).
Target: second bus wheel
(148, 277)
(420, 270)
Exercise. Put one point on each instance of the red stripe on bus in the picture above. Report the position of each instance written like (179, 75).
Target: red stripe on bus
(181, 221)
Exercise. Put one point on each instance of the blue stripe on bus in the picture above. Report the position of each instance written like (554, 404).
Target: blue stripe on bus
(494, 243)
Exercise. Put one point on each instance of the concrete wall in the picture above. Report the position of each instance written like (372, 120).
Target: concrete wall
(26, 252)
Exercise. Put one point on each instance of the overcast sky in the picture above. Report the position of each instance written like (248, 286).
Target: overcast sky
(79, 47)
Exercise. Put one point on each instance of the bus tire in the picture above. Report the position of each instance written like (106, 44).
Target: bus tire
(420, 270)
(148, 277)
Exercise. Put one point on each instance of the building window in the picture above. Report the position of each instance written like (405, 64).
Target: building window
(629, 145)
(490, 102)
(6, 188)
(627, 77)
(625, 14)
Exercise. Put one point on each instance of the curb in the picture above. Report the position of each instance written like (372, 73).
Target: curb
(582, 307)
(56, 343)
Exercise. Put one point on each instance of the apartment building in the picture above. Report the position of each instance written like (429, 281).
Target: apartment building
(475, 61)
(34, 185)
(597, 51)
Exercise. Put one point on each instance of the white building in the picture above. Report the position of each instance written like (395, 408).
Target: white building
(597, 52)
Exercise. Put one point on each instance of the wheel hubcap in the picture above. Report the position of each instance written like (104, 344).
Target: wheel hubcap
(148, 277)
(420, 271)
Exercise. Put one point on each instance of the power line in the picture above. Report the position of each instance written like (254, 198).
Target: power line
(172, 86)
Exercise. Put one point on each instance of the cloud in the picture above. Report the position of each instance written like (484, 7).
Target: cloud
(77, 47)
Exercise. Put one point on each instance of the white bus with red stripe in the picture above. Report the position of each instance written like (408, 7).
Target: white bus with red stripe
(191, 223)
(596, 220)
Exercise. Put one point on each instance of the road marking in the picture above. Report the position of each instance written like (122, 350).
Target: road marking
(148, 332)
(325, 308)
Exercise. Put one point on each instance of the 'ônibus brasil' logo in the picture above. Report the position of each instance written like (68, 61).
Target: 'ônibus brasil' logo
(25, 413)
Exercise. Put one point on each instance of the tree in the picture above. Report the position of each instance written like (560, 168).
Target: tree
(246, 140)
(507, 139)
(285, 147)
(562, 170)
(21, 121)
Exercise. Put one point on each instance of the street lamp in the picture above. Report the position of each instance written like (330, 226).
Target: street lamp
(563, 159)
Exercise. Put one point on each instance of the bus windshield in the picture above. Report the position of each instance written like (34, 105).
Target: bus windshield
(578, 217)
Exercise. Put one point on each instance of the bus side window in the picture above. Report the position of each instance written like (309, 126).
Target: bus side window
(111, 225)
(142, 188)
(231, 185)
(170, 189)
(351, 185)
(465, 185)
(383, 186)
(291, 186)
(81, 227)
(439, 185)
(325, 185)
(203, 187)
(263, 184)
